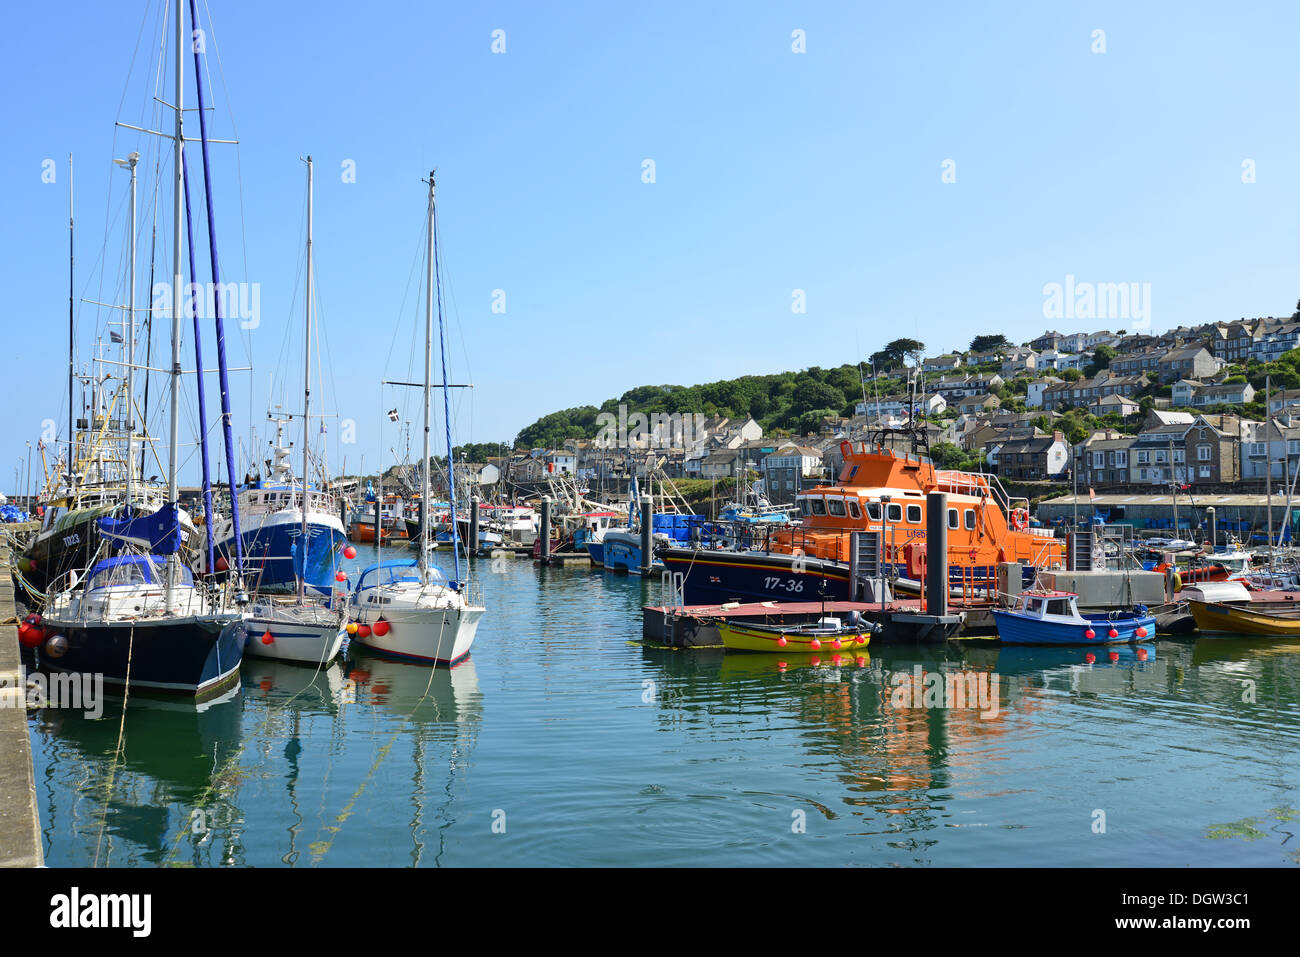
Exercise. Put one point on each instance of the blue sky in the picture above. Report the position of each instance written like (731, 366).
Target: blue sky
(775, 171)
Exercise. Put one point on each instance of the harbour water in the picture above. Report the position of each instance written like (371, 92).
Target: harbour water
(564, 741)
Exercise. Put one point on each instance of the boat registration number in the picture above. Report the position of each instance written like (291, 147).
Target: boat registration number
(777, 583)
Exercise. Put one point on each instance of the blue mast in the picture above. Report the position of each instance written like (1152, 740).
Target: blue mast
(446, 393)
(198, 360)
(221, 329)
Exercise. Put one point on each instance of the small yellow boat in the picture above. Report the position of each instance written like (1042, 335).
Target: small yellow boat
(827, 634)
(1234, 620)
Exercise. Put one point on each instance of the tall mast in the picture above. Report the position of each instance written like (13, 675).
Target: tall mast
(130, 162)
(203, 401)
(72, 415)
(428, 387)
(446, 391)
(222, 372)
(178, 200)
(1268, 464)
(306, 399)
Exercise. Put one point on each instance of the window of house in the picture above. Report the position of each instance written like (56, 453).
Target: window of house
(1203, 453)
(1121, 458)
(1143, 459)
(970, 519)
(1099, 460)
(914, 514)
(1205, 471)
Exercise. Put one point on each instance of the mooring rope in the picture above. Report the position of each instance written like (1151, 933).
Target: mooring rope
(121, 739)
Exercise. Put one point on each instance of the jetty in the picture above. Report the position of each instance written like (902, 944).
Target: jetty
(20, 826)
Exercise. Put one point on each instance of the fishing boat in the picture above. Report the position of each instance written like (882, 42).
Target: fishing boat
(880, 490)
(275, 525)
(827, 633)
(1053, 618)
(408, 608)
(1223, 618)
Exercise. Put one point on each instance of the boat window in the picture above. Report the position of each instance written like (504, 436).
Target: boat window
(804, 507)
(894, 512)
(1034, 604)
(970, 519)
(873, 511)
(953, 520)
(818, 506)
(835, 506)
(1058, 606)
(854, 511)
(914, 514)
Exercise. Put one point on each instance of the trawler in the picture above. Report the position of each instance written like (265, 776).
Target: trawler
(879, 489)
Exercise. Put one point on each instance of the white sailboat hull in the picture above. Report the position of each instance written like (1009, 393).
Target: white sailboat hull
(440, 636)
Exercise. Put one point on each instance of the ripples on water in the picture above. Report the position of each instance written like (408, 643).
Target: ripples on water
(562, 740)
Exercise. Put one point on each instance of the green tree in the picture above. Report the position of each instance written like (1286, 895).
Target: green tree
(988, 343)
(1100, 360)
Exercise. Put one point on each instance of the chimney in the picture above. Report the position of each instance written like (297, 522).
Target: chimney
(1057, 436)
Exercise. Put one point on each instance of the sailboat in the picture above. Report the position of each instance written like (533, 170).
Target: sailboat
(305, 629)
(407, 608)
(138, 619)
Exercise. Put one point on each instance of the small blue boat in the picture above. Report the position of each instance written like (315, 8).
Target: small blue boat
(1053, 618)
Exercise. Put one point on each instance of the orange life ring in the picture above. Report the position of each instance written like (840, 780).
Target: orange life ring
(1020, 519)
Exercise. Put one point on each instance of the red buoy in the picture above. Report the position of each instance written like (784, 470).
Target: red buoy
(349, 552)
(782, 641)
(1142, 632)
(381, 627)
(1113, 633)
(363, 631)
(1090, 634)
(837, 644)
(815, 645)
(222, 564)
(30, 636)
(339, 576)
(267, 637)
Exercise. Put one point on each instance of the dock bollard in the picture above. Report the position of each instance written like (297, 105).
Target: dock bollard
(1213, 522)
(546, 530)
(647, 534)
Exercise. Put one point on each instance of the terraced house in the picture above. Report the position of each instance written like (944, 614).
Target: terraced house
(1081, 393)
(1206, 452)
(1103, 459)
